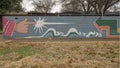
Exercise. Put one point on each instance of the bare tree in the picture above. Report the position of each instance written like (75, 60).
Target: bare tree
(43, 6)
(86, 6)
(70, 5)
(77, 6)
(100, 6)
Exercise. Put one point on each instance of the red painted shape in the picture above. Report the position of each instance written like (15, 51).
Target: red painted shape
(10, 29)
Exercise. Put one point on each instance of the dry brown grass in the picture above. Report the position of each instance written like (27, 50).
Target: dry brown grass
(59, 54)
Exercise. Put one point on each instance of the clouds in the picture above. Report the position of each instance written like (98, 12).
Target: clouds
(27, 5)
(57, 8)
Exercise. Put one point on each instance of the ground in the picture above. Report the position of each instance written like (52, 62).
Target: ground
(59, 53)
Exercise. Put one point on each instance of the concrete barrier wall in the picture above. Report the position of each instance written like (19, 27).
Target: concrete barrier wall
(61, 27)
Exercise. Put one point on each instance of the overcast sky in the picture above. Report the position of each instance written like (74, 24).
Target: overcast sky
(27, 4)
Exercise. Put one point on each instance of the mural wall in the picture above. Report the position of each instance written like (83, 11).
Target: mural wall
(61, 27)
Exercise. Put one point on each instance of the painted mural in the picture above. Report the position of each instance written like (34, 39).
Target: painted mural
(60, 27)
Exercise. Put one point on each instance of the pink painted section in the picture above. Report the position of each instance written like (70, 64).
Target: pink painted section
(4, 21)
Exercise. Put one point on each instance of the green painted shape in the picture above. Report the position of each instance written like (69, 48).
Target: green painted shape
(53, 34)
(59, 36)
(111, 23)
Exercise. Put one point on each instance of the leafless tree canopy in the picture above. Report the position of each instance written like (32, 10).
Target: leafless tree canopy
(43, 6)
(86, 6)
(70, 5)
(77, 6)
(102, 5)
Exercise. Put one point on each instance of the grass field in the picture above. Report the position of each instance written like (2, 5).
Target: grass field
(59, 54)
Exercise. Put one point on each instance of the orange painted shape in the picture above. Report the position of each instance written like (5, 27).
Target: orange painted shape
(107, 28)
(118, 30)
